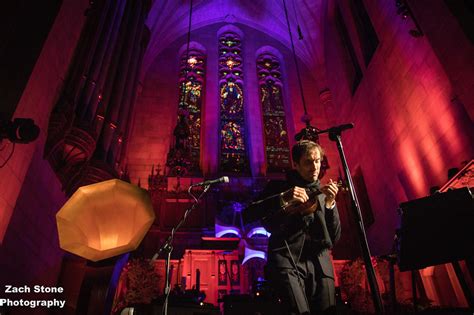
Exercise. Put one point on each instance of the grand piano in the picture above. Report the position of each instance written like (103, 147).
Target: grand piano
(439, 229)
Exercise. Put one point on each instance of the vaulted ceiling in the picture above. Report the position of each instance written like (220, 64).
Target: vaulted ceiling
(168, 20)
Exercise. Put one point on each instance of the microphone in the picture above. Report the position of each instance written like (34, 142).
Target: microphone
(337, 129)
(223, 179)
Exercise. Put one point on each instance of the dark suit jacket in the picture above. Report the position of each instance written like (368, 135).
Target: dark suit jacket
(305, 235)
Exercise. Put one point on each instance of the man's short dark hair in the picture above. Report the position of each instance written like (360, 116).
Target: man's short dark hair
(302, 147)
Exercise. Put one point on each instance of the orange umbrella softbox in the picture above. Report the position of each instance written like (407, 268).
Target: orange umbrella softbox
(103, 220)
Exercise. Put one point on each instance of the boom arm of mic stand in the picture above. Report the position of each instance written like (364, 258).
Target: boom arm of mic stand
(168, 246)
(335, 135)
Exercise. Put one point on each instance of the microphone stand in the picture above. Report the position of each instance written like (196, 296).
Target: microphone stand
(335, 135)
(167, 247)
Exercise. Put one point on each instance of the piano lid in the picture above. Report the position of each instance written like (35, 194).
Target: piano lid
(463, 178)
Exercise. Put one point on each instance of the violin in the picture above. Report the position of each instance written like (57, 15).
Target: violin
(311, 205)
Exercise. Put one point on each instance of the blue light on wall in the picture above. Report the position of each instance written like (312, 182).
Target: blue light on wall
(222, 230)
(258, 231)
(252, 253)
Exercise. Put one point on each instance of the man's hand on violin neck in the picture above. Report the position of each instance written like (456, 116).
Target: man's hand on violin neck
(330, 190)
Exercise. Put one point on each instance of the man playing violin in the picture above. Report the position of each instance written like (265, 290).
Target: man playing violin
(304, 223)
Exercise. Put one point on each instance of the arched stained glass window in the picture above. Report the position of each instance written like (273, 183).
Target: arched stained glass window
(188, 129)
(277, 147)
(233, 154)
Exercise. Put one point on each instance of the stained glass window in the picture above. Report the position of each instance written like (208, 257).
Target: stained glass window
(191, 84)
(233, 154)
(276, 136)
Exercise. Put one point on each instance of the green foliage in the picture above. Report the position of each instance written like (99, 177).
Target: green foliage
(142, 282)
(138, 284)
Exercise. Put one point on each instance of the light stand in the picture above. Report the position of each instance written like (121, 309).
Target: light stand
(167, 246)
(335, 135)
